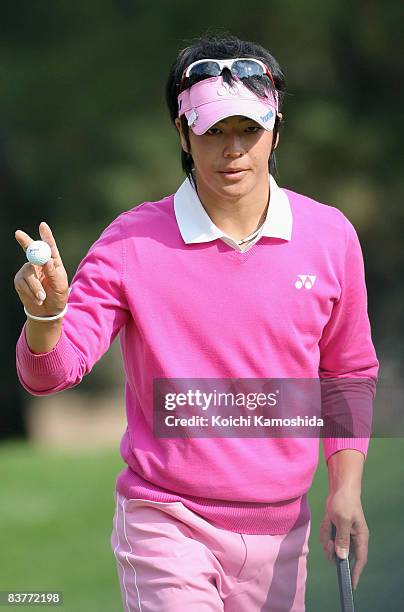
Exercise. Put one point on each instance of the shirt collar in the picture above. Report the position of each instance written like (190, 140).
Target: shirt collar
(195, 225)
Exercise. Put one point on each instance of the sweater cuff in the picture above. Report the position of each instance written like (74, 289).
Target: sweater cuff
(333, 445)
(39, 370)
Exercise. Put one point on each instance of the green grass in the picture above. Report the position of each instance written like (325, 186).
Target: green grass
(381, 586)
(56, 519)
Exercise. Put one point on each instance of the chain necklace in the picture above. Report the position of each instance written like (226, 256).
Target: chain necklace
(255, 232)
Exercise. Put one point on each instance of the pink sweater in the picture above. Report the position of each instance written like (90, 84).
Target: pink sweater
(205, 310)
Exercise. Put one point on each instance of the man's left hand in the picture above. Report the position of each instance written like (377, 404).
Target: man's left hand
(344, 509)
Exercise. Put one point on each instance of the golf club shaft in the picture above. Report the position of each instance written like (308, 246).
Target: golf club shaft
(344, 579)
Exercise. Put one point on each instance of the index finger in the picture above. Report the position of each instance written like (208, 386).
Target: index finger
(23, 239)
(47, 236)
(361, 559)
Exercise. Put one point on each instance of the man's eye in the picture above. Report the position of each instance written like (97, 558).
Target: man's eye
(254, 129)
(212, 131)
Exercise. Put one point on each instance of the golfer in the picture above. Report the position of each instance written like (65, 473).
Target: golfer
(232, 276)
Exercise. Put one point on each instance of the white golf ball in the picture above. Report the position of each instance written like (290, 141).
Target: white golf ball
(38, 252)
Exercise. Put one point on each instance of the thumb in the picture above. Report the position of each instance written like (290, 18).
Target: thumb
(342, 540)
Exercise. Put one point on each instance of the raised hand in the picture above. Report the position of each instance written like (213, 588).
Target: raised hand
(43, 290)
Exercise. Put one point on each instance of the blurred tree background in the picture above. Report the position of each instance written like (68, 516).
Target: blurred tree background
(85, 134)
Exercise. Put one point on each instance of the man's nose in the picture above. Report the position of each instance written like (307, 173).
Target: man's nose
(234, 146)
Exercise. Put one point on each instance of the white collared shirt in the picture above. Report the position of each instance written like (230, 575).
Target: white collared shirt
(195, 225)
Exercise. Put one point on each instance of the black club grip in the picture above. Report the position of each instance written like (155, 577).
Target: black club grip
(344, 579)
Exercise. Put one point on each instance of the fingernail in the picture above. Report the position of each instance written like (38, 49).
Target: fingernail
(342, 552)
(41, 295)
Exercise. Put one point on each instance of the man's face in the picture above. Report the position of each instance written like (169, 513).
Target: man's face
(235, 143)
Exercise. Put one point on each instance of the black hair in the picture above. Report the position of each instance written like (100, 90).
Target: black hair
(224, 46)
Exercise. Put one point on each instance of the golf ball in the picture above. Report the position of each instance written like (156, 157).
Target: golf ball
(38, 252)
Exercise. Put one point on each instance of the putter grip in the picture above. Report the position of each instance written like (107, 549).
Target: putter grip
(344, 579)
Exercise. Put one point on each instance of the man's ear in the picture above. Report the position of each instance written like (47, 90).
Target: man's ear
(182, 137)
(280, 115)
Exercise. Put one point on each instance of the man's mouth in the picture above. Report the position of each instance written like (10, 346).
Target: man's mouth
(233, 174)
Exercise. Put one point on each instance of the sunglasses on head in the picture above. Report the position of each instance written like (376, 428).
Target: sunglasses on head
(240, 67)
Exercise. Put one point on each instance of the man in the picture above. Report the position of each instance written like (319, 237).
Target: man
(231, 277)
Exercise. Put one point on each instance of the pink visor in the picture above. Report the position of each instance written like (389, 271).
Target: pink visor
(212, 100)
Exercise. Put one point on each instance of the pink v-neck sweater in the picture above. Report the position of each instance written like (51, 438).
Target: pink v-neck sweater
(208, 311)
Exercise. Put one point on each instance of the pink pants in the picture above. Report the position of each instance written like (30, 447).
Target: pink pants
(170, 558)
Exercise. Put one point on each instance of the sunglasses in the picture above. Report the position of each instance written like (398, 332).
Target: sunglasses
(240, 67)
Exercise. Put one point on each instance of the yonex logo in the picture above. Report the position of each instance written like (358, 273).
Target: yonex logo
(267, 117)
(305, 280)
